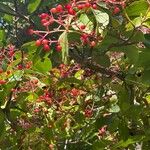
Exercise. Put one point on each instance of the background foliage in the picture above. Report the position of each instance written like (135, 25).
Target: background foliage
(92, 94)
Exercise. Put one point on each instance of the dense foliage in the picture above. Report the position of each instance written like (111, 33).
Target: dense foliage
(74, 74)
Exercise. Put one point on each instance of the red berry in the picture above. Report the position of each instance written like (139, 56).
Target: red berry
(2, 82)
(38, 43)
(44, 15)
(43, 21)
(8, 72)
(28, 66)
(102, 130)
(35, 81)
(93, 43)
(20, 67)
(11, 53)
(1, 70)
(71, 12)
(44, 42)
(84, 38)
(68, 6)
(36, 110)
(51, 21)
(46, 23)
(75, 92)
(59, 8)
(53, 10)
(116, 10)
(30, 31)
(46, 47)
(87, 4)
(123, 4)
(88, 113)
(94, 6)
(84, 35)
(58, 48)
(82, 27)
(80, 6)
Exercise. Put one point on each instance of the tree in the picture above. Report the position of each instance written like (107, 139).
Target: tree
(74, 74)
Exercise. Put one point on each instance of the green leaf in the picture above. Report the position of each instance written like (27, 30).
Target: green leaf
(63, 39)
(2, 124)
(147, 40)
(33, 5)
(137, 8)
(102, 60)
(114, 109)
(145, 78)
(48, 134)
(100, 145)
(148, 99)
(32, 97)
(17, 76)
(8, 18)
(123, 130)
(107, 41)
(83, 20)
(130, 140)
(131, 53)
(2, 35)
(144, 59)
(124, 100)
(101, 17)
(74, 37)
(43, 66)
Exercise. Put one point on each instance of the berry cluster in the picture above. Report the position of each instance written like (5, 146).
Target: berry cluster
(46, 97)
(60, 17)
(115, 5)
(88, 113)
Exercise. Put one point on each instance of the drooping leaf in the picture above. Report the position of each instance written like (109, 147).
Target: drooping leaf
(63, 39)
(137, 8)
(33, 5)
(101, 17)
(43, 66)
